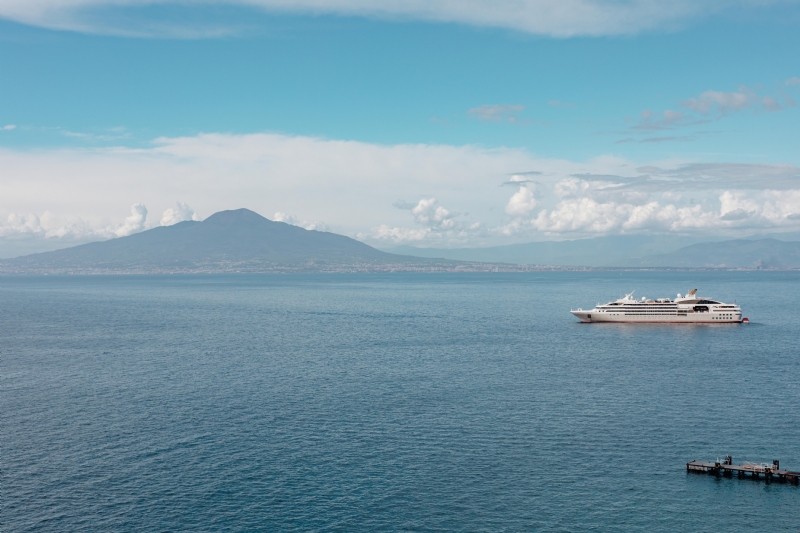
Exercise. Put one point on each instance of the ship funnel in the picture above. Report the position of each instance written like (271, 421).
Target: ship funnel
(692, 292)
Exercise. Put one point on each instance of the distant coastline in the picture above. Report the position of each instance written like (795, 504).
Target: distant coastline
(242, 241)
(363, 269)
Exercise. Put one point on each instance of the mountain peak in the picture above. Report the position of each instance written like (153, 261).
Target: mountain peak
(236, 215)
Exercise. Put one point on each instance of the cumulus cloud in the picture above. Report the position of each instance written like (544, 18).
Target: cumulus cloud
(22, 234)
(179, 213)
(439, 225)
(559, 18)
(736, 214)
(283, 217)
(134, 223)
(428, 213)
(587, 215)
(397, 235)
(294, 221)
(50, 226)
(32, 233)
(521, 203)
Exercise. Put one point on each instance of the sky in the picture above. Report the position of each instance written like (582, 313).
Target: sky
(431, 123)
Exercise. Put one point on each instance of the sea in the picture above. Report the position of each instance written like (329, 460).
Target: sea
(392, 402)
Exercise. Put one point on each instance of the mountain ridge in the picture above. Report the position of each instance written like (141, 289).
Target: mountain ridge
(632, 251)
(236, 240)
(737, 253)
(227, 238)
(241, 240)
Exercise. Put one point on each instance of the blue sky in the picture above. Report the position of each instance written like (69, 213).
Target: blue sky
(599, 120)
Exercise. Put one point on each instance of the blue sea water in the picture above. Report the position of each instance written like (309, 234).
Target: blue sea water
(395, 402)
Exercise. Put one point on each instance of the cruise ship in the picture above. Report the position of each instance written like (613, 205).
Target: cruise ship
(683, 309)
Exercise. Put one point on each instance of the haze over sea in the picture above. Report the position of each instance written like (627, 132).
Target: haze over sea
(418, 402)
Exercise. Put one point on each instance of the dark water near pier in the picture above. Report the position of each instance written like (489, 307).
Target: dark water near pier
(470, 402)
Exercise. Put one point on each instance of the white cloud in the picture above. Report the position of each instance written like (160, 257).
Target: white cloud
(427, 213)
(521, 203)
(588, 216)
(70, 228)
(134, 223)
(180, 213)
(31, 233)
(737, 214)
(793, 81)
(439, 226)
(352, 186)
(8, 127)
(294, 221)
(283, 217)
(397, 235)
(559, 18)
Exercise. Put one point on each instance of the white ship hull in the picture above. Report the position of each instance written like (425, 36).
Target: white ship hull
(593, 316)
(689, 309)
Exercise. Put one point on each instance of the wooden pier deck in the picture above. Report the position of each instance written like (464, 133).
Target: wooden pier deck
(763, 471)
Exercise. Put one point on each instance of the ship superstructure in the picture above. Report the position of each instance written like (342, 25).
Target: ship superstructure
(683, 309)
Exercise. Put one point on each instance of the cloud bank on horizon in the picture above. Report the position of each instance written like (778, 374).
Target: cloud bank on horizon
(449, 195)
(556, 18)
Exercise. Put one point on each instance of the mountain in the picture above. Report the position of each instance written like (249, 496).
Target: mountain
(740, 253)
(632, 251)
(244, 241)
(238, 240)
(618, 250)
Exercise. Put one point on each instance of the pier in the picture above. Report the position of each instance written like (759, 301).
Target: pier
(767, 472)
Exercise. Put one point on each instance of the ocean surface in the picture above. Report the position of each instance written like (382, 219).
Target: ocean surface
(394, 402)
